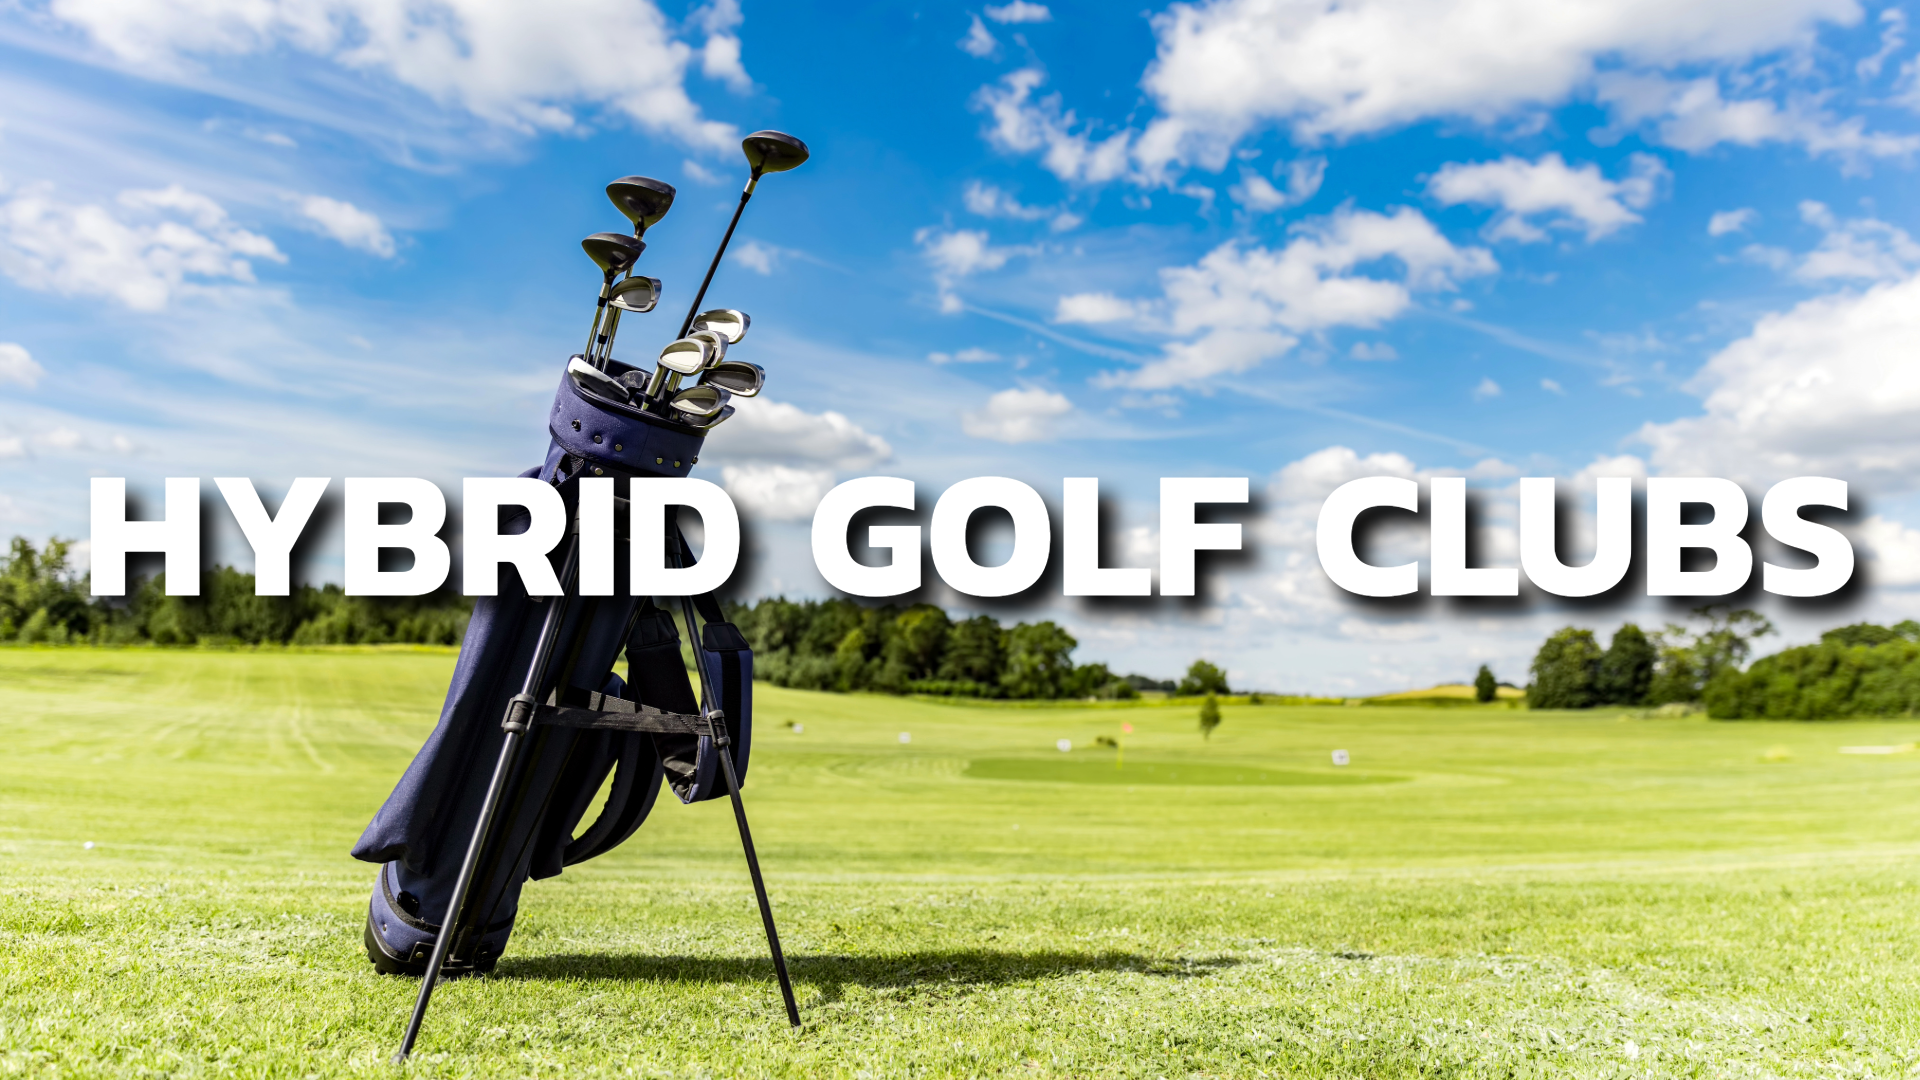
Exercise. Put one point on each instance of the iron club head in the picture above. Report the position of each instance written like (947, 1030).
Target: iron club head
(737, 377)
(643, 199)
(726, 322)
(685, 356)
(596, 382)
(716, 345)
(701, 400)
(636, 294)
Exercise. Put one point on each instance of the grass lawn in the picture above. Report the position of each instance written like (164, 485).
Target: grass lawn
(1481, 893)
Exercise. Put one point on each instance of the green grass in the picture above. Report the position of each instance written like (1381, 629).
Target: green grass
(1533, 895)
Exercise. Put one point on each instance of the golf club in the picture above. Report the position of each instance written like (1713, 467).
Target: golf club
(702, 400)
(636, 294)
(594, 381)
(682, 357)
(612, 253)
(726, 322)
(767, 152)
(716, 419)
(643, 199)
(737, 377)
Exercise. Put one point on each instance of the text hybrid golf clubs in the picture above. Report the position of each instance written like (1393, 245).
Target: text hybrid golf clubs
(700, 349)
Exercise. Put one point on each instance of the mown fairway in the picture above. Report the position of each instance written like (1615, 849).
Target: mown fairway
(1482, 893)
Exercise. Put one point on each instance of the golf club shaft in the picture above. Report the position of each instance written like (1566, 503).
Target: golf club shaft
(502, 769)
(599, 313)
(686, 324)
(725, 751)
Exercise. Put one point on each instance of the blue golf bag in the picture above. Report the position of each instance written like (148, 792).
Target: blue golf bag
(581, 723)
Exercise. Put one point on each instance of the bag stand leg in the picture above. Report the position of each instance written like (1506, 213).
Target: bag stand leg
(722, 742)
(518, 718)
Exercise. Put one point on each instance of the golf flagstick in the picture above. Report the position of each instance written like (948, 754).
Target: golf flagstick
(516, 722)
(722, 743)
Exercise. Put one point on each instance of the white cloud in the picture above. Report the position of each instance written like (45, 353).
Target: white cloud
(1828, 388)
(1022, 125)
(1328, 69)
(979, 41)
(1731, 221)
(699, 173)
(347, 223)
(524, 66)
(757, 257)
(1487, 389)
(964, 356)
(17, 366)
(167, 236)
(1767, 255)
(1240, 306)
(1553, 387)
(720, 56)
(958, 253)
(1017, 416)
(989, 201)
(60, 438)
(1893, 35)
(1858, 249)
(1548, 194)
(12, 446)
(777, 459)
(1373, 350)
(1094, 308)
(1020, 11)
(1693, 116)
(1303, 178)
(1894, 550)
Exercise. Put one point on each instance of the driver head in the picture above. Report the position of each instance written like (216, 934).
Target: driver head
(612, 252)
(773, 151)
(643, 199)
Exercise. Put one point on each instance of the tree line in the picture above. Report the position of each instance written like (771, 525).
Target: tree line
(43, 602)
(840, 645)
(1858, 670)
(815, 645)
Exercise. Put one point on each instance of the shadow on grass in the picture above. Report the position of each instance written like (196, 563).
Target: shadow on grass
(831, 974)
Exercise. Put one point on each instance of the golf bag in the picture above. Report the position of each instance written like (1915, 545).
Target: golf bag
(585, 721)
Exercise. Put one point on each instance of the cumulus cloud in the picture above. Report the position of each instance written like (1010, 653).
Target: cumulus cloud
(958, 253)
(777, 459)
(1858, 249)
(1731, 221)
(1326, 69)
(1487, 389)
(1094, 308)
(1534, 196)
(1238, 306)
(18, 367)
(1373, 350)
(758, 257)
(1020, 11)
(524, 66)
(979, 41)
(1022, 124)
(1692, 115)
(1828, 388)
(1302, 177)
(1893, 550)
(141, 253)
(1017, 416)
(347, 223)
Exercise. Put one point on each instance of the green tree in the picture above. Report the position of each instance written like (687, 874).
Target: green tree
(1564, 670)
(1626, 671)
(1209, 716)
(974, 651)
(1038, 662)
(1690, 659)
(1484, 686)
(919, 638)
(1202, 678)
(41, 599)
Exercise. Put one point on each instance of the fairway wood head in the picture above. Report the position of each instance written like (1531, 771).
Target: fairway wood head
(737, 377)
(702, 400)
(716, 345)
(773, 151)
(642, 198)
(685, 356)
(612, 252)
(726, 322)
(636, 294)
(594, 381)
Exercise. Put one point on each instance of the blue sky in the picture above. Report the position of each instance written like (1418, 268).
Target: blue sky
(1286, 240)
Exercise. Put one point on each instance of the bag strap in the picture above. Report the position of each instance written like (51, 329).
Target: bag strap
(606, 712)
